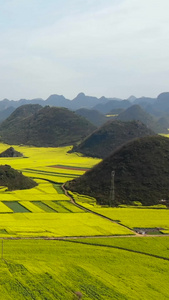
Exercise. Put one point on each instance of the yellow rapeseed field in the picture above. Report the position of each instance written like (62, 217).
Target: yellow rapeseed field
(45, 210)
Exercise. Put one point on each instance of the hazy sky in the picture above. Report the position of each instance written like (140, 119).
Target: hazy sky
(114, 48)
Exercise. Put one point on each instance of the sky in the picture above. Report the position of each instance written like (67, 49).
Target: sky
(111, 48)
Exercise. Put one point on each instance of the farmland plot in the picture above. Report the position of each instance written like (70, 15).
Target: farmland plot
(150, 246)
(44, 191)
(42, 158)
(59, 269)
(58, 224)
(132, 217)
(119, 268)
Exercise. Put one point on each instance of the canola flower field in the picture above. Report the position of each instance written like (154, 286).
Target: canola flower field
(131, 217)
(45, 210)
(102, 269)
(35, 266)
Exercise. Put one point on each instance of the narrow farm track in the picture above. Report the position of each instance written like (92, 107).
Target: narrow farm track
(75, 240)
(134, 234)
(69, 168)
(121, 248)
(64, 238)
(86, 209)
(95, 213)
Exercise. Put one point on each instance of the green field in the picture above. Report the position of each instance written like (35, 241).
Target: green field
(150, 246)
(58, 269)
(90, 261)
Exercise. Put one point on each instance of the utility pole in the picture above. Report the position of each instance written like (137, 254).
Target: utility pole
(2, 249)
(112, 193)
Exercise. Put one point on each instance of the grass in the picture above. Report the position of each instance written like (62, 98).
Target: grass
(57, 206)
(57, 269)
(16, 206)
(43, 206)
(31, 207)
(58, 188)
(68, 205)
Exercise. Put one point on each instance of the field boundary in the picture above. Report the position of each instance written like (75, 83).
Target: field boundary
(119, 248)
(95, 213)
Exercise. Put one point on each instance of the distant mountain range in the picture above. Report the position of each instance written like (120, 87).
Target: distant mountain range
(155, 106)
(96, 109)
(58, 121)
(80, 101)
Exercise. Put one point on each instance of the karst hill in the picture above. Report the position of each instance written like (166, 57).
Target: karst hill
(48, 126)
(11, 152)
(110, 136)
(93, 116)
(14, 180)
(141, 174)
(135, 112)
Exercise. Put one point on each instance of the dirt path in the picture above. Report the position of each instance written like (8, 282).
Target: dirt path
(120, 248)
(69, 168)
(133, 233)
(64, 238)
(95, 213)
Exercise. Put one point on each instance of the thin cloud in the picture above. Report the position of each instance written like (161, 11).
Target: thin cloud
(111, 48)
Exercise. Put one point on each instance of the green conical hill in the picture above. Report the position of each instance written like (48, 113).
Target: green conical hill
(135, 112)
(11, 152)
(14, 180)
(22, 113)
(110, 136)
(141, 173)
(49, 126)
(93, 116)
